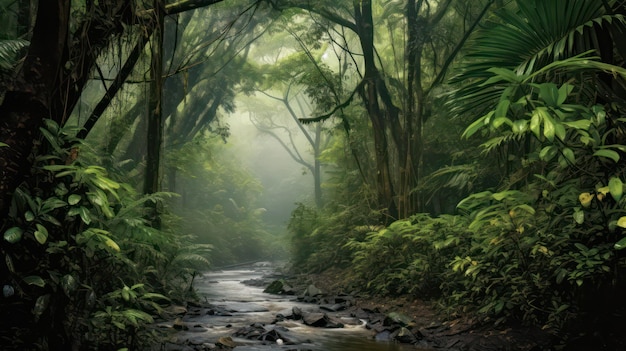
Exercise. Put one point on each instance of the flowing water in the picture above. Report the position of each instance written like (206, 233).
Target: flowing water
(249, 304)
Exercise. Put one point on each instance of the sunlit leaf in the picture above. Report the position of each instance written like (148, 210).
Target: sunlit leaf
(616, 188)
(613, 155)
(621, 222)
(579, 217)
(111, 244)
(585, 199)
(569, 155)
(73, 199)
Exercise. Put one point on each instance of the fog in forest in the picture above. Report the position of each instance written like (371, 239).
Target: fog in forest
(458, 162)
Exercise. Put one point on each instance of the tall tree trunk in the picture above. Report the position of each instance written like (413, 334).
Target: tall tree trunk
(155, 114)
(28, 102)
(370, 94)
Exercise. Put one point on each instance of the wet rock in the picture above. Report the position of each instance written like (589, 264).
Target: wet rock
(175, 310)
(179, 325)
(226, 341)
(279, 287)
(296, 313)
(321, 320)
(397, 318)
(333, 308)
(312, 290)
(404, 335)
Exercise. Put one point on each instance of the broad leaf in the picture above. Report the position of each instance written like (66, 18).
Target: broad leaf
(13, 234)
(616, 188)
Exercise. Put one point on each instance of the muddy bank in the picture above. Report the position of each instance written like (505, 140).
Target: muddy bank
(430, 330)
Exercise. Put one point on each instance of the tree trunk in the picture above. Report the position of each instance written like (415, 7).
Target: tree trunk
(370, 94)
(155, 115)
(28, 102)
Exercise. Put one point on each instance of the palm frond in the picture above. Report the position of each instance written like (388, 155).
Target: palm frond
(526, 39)
(9, 52)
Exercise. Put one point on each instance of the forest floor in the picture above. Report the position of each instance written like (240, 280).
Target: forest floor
(439, 331)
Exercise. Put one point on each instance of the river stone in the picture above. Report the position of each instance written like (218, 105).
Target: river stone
(243, 307)
(404, 335)
(226, 341)
(333, 308)
(275, 287)
(397, 318)
(312, 290)
(176, 310)
(179, 325)
(320, 320)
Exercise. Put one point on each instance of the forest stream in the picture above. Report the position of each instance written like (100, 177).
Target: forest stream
(239, 315)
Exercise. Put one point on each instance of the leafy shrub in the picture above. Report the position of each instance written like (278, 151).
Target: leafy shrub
(409, 256)
(82, 266)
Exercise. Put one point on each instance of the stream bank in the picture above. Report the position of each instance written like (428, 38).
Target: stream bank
(314, 313)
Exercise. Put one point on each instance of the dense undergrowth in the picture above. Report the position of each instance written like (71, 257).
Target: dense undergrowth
(82, 267)
(545, 245)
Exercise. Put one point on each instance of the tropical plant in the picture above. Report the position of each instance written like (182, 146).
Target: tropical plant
(546, 245)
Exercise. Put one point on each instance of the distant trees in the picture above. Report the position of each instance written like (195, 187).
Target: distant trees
(397, 75)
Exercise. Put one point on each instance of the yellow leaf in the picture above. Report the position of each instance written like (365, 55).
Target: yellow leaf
(621, 222)
(585, 199)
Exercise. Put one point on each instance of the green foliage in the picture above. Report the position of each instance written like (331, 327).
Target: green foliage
(73, 235)
(409, 256)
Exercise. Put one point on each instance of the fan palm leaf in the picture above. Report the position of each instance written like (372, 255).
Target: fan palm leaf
(527, 37)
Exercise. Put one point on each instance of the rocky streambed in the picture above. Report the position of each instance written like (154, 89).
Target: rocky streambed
(253, 308)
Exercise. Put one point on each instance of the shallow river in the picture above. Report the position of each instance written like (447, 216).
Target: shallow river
(249, 304)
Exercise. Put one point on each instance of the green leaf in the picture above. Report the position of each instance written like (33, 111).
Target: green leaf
(13, 234)
(569, 155)
(34, 280)
(535, 124)
(549, 128)
(548, 153)
(579, 217)
(564, 92)
(549, 93)
(502, 108)
(621, 222)
(620, 244)
(476, 125)
(616, 187)
(74, 199)
(583, 124)
(69, 284)
(613, 155)
(84, 214)
(41, 234)
(29, 216)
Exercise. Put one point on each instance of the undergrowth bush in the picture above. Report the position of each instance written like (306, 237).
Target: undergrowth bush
(409, 256)
(82, 268)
